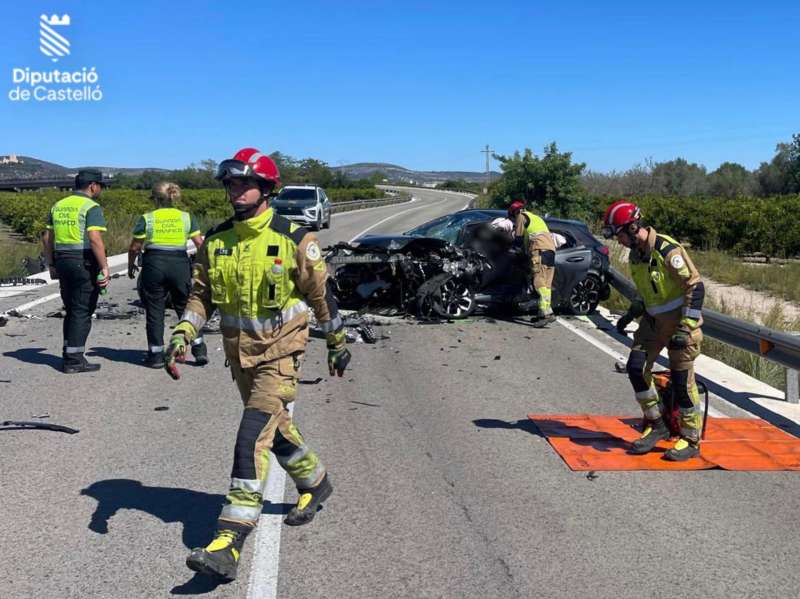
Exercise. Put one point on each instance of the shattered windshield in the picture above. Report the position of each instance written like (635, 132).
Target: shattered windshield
(447, 227)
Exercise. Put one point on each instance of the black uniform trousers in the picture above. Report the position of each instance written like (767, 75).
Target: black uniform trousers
(164, 273)
(77, 275)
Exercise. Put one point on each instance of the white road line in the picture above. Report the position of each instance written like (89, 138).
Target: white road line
(263, 583)
(391, 216)
(47, 298)
(617, 355)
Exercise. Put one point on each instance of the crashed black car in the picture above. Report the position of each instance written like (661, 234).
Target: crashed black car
(455, 264)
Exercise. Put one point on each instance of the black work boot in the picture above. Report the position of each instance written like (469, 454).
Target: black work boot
(683, 450)
(154, 360)
(654, 431)
(220, 559)
(75, 365)
(540, 322)
(308, 503)
(200, 353)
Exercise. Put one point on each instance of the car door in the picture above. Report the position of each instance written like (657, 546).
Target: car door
(572, 266)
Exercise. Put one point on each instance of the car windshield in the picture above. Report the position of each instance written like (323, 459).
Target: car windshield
(307, 195)
(447, 227)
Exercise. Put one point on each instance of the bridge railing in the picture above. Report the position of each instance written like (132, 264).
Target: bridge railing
(776, 346)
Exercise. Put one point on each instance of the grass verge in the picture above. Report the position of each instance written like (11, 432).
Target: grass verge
(781, 280)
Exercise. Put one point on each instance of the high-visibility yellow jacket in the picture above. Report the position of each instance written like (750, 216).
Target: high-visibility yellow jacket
(534, 231)
(71, 219)
(262, 274)
(165, 229)
(666, 277)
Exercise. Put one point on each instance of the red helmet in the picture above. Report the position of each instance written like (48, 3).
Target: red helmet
(618, 216)
(250, 163)
(515, 207)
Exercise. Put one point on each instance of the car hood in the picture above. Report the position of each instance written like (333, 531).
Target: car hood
(398, 242)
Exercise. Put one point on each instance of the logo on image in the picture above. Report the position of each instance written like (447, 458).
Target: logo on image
(52, 42)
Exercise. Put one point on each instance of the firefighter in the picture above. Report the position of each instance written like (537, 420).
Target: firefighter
(532, 232)
(670, 316)
(262, 273)
(166, 267)
(76, 256)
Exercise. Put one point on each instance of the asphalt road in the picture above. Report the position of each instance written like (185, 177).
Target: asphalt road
(442, 487)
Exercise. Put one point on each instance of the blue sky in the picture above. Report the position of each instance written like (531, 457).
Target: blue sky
(420, 84)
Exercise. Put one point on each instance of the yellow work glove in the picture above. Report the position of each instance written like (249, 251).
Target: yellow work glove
(181, 337)
(338, 354)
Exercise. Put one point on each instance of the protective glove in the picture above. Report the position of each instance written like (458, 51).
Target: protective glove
(132, 270)
(338, 354)
(635, 310)
(176, 352)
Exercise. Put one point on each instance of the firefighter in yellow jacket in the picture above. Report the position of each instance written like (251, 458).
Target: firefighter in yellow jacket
(670, 316)
(532, 232)
(262, 273)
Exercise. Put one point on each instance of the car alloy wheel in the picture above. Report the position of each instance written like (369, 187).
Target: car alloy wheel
(585, 296)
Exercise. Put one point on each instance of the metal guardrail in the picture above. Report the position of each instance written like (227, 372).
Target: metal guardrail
(22, 184)
(776, 346)
(357, 204)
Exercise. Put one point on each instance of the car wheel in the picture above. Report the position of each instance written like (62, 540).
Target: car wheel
(585, 296)
(327, 223)
(318, 224)
(445, 296)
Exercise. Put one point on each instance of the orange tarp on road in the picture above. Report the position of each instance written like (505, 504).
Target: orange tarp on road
(590, 442)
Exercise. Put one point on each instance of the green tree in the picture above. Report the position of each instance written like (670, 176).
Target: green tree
(731, 180)
(550, 184)
(679, 178)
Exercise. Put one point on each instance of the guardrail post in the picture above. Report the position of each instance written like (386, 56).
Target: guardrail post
(793, 381)
(792, 386)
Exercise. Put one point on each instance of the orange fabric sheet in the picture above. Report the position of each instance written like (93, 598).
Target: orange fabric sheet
(590, 442)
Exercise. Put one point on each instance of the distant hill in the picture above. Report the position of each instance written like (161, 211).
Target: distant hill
(395, 173)
(27, 167)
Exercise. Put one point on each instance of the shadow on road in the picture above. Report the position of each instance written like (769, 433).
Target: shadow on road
(526, 424)
(196, 510)
(34, 355)
(577, 435)
(131, 356)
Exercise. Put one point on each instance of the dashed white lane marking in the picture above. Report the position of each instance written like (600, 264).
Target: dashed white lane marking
(617, 355)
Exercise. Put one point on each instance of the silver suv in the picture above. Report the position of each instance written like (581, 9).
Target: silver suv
(304, 204)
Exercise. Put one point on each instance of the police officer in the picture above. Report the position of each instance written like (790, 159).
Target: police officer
(261, 272)
(670, 311)
(531, 231)
(76, 256)
(166, 267)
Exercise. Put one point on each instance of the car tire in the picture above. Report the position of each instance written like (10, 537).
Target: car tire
(327, 223)
(318, 225)
(445, 296)
(585, 296)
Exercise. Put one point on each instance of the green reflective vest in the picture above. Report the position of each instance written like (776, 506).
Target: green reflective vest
(167, 229)
(536, 225)
(69, 223)
(250, 268)
(660, 291)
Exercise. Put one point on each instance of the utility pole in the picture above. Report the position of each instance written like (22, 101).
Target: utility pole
(488, 151)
